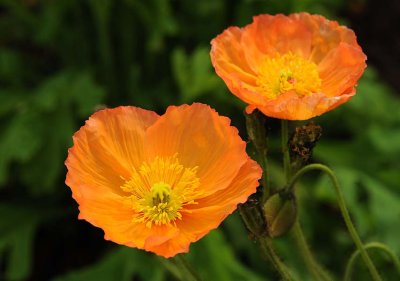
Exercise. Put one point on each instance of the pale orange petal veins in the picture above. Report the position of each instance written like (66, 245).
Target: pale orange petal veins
(200, 138)
(105, 151)
(229, 44)
(223, 202)
(212, 210)
(310, 38)
(290, 106)
(326, 34)
(171, 247)
(138, 235)
(341, 68)
(277, 34)
(115, 142)
(230, 62)
(113, 214)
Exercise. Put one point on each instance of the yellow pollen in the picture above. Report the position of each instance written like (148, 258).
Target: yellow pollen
(288, 72)
(160, 191)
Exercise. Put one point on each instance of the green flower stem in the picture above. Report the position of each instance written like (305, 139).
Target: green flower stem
(346, 216)
(315, 269)
(170, 266)
(376, 245)
(252, 217)
(285, 148)
(265, 178)
(312, 265)
(183, 269)
(269, 252)
(255, 224)
(255, 125)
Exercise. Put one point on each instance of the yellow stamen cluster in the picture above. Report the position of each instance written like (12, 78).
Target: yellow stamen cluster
(288, 72)
(160, 190)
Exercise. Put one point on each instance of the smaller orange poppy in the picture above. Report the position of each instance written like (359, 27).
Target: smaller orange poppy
(289, 67)
(159, 183)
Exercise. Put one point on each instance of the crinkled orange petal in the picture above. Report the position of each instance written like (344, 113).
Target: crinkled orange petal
(115, 143)
(172, 247)
(107, 147)
(113, 214)
(105, 150)
(238, 54)
(276, 34)
(137, 235)
(231, 50)
(290, 106)
(340, 69)
(229, 59)
(200, 138)
(212, 210)
(242, 186)
(326, 35)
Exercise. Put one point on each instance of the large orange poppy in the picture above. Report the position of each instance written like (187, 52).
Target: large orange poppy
(289, 67)
(159, 183)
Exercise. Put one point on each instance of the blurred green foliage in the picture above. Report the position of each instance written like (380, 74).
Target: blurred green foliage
(62, 60)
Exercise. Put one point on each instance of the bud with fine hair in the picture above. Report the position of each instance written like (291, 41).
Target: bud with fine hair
(280, 212)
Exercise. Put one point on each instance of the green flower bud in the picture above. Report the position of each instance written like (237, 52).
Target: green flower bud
(280, 212)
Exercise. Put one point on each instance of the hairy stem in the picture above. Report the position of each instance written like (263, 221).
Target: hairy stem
(184, 269)
(255, 125)
(346, 216)
(315, 269)
(285, 148)
(312, 265)
(269, 252)
(376, 245)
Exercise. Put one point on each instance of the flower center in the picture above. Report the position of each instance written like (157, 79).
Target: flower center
(160, 191)
(288, 72)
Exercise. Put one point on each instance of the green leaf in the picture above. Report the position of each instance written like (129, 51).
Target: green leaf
(57, 98)
(87, 94)
(18, 225)
(20, 140)
(372, 205)
(68, 87)
(11, 65)
(122, 264)
(193, 73)
(101, 9)
(215, 260)
(385, 140)
(20, 261)
(9, 101)
(157, 18)
(50, 158)
(384, 208)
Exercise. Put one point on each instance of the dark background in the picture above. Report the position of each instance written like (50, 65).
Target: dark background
(62, 60)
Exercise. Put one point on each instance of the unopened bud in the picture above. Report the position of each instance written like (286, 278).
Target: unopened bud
(280, 212)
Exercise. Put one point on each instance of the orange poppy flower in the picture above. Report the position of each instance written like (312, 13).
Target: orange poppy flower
(159, 183)
(289, 67)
